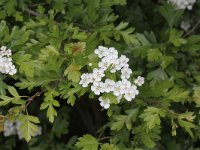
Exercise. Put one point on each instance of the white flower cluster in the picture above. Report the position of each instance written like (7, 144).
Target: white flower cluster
(6, 65)
(12, 128)
(183, 4)
(110, 62)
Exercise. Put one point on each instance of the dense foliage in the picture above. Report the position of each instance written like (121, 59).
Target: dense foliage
(42, 104)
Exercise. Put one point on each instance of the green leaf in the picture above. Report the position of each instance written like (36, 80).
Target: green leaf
(157, 76)
(126, 33)
(44, 105)
(73, 73)
(187, 126)
(109, 147)
(189, 116)
(5, 100)
(51, 113)
(106, 3)
(28, 126)
(171, 14)
(175, 38)
(132, 114)
(50, 103)
(147, 141)
(177, 94)
(26, 64)
(118, 123)
(71, 100)
(2, 26)
(87, 142)
(13, 91)
(154, 55)
(166, 61)
(60, 126)
(151, 116)
(29, 84)
(9, 6)
(2, 86)
(196, 95)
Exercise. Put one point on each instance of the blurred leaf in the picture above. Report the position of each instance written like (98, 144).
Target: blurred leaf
(177, 94)
(87, 142)
(175, 38)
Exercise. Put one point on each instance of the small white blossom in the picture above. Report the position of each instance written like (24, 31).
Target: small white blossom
(98, 74)
(113, 53)
(126, 73)
(109, 85)
(185, 25)
(9, 128)
(139, 81)
(118, 88)
(96, 88)
(101, 51)
(123, 61)
(85, 79)
(105, 103)
(131, 92)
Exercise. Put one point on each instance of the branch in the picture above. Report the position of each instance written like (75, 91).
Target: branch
(31, 99)
(193, 29)
(39, 4)
(32, 12)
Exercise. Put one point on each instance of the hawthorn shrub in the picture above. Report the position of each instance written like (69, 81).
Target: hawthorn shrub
(71, 74)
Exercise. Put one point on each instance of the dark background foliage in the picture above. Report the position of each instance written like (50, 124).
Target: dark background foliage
(157, 50)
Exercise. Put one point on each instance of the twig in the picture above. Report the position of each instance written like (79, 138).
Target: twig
(39, 4)
(32, 98)
(32, 12)
(193, 29)
(104, 138)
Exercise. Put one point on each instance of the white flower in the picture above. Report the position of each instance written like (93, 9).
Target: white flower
(85, 79)
(98, 74)
(185, 25)
(9, 128)
(139, 81)
(109, 61)
(115, 65)
(6, 65)
(126, 72)
(113, 53)
(96, 88)
(109, 85)
(123, 61)
(131, 93)
(101, 51)
(117, 89)
(183, 4)
(103, 65)
(105, 103)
